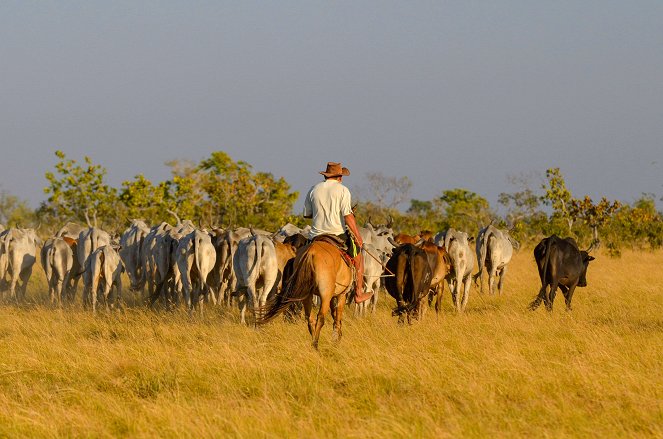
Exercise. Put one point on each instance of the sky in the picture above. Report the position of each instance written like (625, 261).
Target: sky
(448, 93)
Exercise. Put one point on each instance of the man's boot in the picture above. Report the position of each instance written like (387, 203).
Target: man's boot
(360, 296)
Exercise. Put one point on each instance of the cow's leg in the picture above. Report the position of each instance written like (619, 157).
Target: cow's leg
(12, 286)
(438, 299)
(108, 286)
(93, 297)
(118, 292)
(374, 298)
(466, 293)
(568, 295)
(458, 296)
(500, 285)
(539, 298)
(57, 291)
(51, 289)
(210, 292)
(320, 320)
(25, 277)
(243, 298)
(549, 298)
(491, 280)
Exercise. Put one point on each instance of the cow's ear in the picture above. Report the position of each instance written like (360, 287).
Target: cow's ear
(590, 258)
(470, 239)
(69, 241)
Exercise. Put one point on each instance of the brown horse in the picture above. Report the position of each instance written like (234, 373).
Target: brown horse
(321, 270)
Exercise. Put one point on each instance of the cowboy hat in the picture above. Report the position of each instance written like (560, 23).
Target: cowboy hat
(335, 170)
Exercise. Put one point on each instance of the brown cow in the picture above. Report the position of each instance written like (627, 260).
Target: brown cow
(426, 235)
(440, 263)
(402, 238)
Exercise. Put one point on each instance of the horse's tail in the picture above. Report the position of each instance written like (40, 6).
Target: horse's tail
(300, 285)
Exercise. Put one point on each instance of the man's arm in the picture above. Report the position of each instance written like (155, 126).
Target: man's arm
(352, 225)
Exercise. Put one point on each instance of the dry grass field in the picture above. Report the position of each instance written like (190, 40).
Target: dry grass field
(497, 370)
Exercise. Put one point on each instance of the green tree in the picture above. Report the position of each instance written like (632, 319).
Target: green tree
(523, 209)
(593, 215)
(78, 192)
(558, 197)
(240, 197)
(142, 199)
(637, 225)
(14, 211)
(464, 210)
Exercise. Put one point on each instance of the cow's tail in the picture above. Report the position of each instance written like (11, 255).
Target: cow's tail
(50, 263)
(546, 260)
(197, 256)
(403, 273)
(300, 285)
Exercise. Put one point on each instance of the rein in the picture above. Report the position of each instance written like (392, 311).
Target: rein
(391, 273)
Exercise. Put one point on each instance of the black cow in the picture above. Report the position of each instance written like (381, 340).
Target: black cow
(561, 264)
(411, 282)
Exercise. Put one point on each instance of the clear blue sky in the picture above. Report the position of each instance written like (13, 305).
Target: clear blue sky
(449, 93)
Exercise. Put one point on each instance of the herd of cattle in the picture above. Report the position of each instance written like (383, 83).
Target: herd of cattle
(183, 263)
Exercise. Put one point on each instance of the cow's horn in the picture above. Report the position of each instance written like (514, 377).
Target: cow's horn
(390, 222)
(594, 246)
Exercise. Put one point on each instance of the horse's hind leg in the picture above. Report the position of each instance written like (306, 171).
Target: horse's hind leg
(320, 320)
(338, 316)
(308, 314)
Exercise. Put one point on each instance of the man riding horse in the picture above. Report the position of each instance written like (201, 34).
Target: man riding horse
(328, 203)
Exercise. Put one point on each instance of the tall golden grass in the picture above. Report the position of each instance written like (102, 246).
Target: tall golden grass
(496, 370)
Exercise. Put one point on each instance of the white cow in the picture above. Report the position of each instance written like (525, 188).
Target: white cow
(89, 240)
(148, 253)
(102, 274)
(70, 230)
(131, 244)
(17, 257)
(494, 249)
(285, 231)
(256, 267)
(57, 260)
(195, 258)
(226, 249)
(381, 237)
(462, 263)
(374, 260)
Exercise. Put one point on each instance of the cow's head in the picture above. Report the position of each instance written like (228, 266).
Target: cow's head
(582, 281)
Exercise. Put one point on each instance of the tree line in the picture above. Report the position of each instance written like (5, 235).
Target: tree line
(221, 192)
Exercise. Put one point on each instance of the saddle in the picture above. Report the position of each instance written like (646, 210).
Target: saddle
(339, 244)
